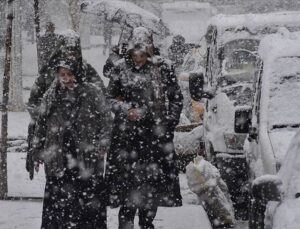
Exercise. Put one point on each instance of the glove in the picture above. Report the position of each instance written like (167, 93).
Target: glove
(30, 165)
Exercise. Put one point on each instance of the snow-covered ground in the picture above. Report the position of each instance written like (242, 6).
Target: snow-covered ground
(29, 215)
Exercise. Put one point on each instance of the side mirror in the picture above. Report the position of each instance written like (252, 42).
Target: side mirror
(267, 188)
(221, 55)
(253, 134)
(196, 86)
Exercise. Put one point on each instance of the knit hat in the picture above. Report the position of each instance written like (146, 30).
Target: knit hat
(141, 40)
(66, 63)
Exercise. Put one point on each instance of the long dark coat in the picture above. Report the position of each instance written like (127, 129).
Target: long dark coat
(141, 161)
(70, 131)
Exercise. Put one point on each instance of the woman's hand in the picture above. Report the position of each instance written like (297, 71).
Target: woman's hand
(134, 114)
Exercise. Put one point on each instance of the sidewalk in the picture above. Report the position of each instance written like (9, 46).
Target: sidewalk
(27, 214)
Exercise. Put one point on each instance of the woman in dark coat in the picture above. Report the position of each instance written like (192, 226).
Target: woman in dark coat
(147, 102)
(71, 137)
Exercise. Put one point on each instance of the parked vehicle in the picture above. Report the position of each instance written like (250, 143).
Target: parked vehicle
(275, 118)
(194, 63)
(275, 122)
(232, 63)
(276, 197)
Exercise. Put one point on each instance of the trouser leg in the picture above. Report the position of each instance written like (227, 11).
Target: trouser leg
(146, 217)
(92, 210)
(59, 204)
(126, 217)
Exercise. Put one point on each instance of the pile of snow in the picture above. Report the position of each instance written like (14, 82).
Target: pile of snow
(205, 180)
(188, 142)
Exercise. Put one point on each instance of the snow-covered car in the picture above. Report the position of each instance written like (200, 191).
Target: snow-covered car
(128, 15)
(276, 202)
(232, 61)
(276, 103)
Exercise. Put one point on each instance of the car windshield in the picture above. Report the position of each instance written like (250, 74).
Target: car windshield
(240, 59)
(284, 105)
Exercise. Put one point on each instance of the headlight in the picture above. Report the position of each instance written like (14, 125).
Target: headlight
(242, 121)
(235, 141)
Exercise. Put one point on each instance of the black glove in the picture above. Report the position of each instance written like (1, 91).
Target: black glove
(29, 158)
(30, 165)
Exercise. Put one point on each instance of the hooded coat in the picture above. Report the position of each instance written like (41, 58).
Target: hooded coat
(85, 120)
(48, 72)
(72, 132)
(141, 161)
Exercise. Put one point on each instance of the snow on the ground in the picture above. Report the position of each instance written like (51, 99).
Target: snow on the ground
(28, 215)
(18, 124)
(19, 184)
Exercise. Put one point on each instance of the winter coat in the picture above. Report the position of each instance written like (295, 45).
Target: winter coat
(111, 61)
(72, 125)
(47, 76)
(176, 53)
(142, 157)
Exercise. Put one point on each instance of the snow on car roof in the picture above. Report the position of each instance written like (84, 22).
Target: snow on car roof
(254, 21)
(279, 45)
(114, 5)
(186, 5)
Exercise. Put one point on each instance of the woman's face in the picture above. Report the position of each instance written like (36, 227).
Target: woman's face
(66, 78)
(139, 58)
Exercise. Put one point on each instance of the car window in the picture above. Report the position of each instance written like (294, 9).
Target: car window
(240, 58)
(284, 104)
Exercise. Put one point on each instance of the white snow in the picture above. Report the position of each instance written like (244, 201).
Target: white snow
(254, 26)
(187, 18)
(29, 215)
(256, 22)
(281, 140)
(204, 179)
(128, 13)
(188, 142)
